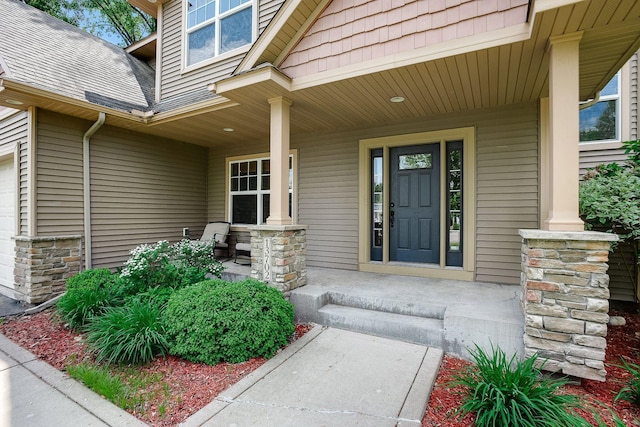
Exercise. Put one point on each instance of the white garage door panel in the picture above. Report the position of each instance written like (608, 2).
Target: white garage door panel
(7, 224)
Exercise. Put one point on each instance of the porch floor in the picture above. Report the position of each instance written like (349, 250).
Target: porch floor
(448, 314)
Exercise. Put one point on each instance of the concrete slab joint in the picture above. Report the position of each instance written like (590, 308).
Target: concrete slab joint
(43, 265)
(565, 300)
(278, 255)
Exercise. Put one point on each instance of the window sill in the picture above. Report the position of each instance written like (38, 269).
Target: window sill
(186, 69)
(600, 145)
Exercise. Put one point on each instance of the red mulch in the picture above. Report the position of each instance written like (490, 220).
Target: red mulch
(622, 342)
(185, 388)
(191, 386)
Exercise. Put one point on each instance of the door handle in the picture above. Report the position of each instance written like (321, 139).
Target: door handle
(392, 215)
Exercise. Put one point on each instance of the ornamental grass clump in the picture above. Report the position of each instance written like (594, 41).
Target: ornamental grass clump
(134, 333)
(216, 320)
(631, 390)
(88, 295)
(509, 392)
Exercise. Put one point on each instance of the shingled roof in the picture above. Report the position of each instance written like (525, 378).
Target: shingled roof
(39, 50)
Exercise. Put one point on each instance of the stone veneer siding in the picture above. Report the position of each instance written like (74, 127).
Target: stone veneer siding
(43, 265)
(565, 300)
(278, 255)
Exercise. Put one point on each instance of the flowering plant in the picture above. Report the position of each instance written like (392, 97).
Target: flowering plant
(173, 265)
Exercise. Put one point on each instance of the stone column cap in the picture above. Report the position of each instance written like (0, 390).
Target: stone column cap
(271, 227)
(568, 235)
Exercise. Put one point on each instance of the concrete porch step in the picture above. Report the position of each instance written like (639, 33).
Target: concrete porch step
(404, 327)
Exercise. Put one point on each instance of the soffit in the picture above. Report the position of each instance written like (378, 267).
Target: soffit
(501, 75)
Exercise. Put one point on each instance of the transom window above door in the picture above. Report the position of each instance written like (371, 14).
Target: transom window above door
(215, 27)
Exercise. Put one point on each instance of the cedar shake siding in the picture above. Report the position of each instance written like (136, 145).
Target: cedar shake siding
(143, 188)
(507, 158)
(350, 32)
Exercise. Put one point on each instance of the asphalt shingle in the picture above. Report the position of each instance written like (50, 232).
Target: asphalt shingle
(41, 51)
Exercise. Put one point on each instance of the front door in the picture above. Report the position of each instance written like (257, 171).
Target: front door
(414, 207)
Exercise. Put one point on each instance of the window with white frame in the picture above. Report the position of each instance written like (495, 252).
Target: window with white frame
(215, 27)
(249, 190)
(601, 121)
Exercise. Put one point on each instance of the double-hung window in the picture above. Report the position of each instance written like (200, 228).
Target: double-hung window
(601, 121)
(215, 27)
(249, 190)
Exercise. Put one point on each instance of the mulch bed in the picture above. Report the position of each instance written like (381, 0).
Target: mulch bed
(185, 388)
(623, 342)
(192, 385)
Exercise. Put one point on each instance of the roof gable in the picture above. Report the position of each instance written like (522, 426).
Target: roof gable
(46, 53)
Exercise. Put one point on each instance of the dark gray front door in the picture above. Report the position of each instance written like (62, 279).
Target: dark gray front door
(414, 210)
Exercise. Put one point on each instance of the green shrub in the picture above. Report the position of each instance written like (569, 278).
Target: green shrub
(133, 333)
(166, 265)
(506, 392)
(631, 391)
(216, 320)
(89, 294)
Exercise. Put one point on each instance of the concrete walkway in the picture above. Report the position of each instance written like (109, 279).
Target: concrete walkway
(329, 377)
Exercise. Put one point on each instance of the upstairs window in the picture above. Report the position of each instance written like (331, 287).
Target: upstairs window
(215, 27)
(601, 121)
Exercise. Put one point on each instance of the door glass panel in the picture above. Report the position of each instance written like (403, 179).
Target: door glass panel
(415, 161)
(454, 203)
(376, 205)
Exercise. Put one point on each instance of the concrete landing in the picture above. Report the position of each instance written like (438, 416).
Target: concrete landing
(331, 377)
(448, 314)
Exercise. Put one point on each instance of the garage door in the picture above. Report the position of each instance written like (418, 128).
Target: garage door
(7, 226)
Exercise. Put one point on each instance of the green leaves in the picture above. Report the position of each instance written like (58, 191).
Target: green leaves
(133, 334)
(216, 321)
(631, 391)
(610, 198)
(505, 391)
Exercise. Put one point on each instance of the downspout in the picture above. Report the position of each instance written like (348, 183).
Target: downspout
(86, 186)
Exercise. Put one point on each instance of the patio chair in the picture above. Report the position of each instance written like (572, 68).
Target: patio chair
(218, 231)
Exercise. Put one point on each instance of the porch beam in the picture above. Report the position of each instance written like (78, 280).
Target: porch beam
(279, 154)
(563, 151)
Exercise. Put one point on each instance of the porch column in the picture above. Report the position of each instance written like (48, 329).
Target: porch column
(563, 152)
(279, 146)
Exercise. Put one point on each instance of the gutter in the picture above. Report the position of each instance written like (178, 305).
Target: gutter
(589, 102)
(86, 186)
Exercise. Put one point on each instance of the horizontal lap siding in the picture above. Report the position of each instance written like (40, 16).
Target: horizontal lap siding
(328, 200)
(506, 197)
(174, 82)
(14, 130)
(59, 174)
(143, 189)
(507, 190)
(592, 158)
(623, 273)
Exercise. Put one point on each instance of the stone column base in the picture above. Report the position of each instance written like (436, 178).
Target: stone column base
(565, 300)
(43, 265)
(278, 255)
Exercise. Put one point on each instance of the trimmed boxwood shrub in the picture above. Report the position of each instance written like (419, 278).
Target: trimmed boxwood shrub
(216, 321)
(89, 294)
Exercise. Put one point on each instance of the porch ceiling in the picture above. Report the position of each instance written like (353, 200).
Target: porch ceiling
(511, 73)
